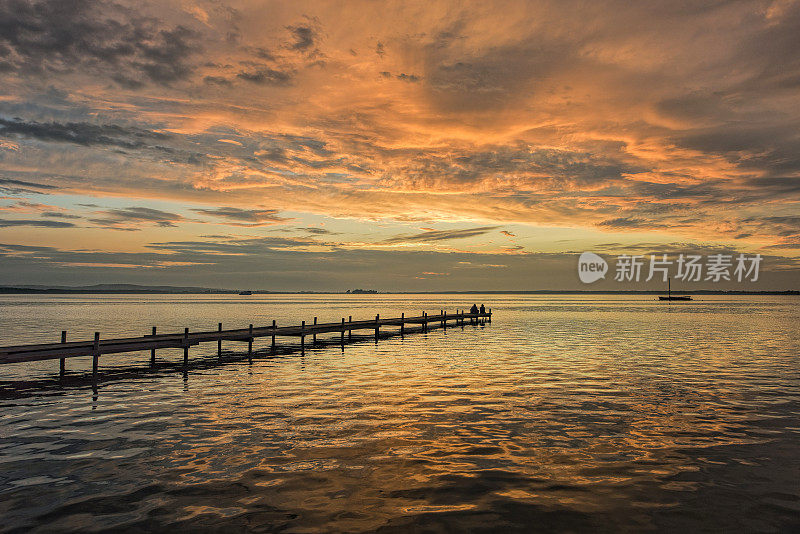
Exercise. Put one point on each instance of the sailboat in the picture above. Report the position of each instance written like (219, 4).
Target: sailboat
(669, 293)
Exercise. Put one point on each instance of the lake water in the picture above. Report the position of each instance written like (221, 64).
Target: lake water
(566, 414)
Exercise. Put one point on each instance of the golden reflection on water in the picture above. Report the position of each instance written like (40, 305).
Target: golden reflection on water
(567, 413)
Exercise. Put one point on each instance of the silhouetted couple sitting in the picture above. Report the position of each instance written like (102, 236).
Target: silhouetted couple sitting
(474, 309)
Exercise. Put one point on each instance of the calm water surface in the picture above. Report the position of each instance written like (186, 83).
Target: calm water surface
(567, 413)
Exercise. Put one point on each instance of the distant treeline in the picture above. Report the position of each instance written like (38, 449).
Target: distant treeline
(176, 291)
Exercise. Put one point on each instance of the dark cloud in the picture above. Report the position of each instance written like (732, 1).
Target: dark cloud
(529, 167)
(244, 217)
(782, 226)
(671, 249)
(217, 80)
(81, 133)
(59, 215)
(57, 36)
(316, 230)
(304, 37)
(17, 187)
(6, 223)
(263, 53)
(770, 145)
(491, 78)
(624, 222)
(267, 76)
(747, 119)
(770, 52)
(791, 245)
(403, 76)
(695, 106)
(129, 218)
(273, 154)
(249, 246)
(408, 77)
(439, 235)
(776, 185)
(317, 146)
(286, 264)
(709, 190)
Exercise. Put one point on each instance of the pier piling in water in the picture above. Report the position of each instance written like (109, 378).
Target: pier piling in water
(153, 352)
(185, 347)
(62, 365)
(184, 340)
(219, 342)
(250, 345)
(95, 354)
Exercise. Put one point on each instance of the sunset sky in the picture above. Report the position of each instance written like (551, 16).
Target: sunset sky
(393, 145)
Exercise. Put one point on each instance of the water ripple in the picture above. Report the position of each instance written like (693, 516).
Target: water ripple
(565, 414)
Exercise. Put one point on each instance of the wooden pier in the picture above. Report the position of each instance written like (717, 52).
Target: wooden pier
(99, 347)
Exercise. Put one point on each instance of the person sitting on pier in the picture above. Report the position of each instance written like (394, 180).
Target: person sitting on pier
(473, 309)
(483, 310)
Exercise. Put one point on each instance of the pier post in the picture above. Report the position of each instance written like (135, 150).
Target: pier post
(62, 366)
(314, 335)
(185, 348)
(250, 345)
(153, 352)
(95, 355)
(350, 332)
(185, 341)
(219, 342)
(441, 315)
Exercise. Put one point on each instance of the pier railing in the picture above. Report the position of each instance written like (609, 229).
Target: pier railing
(98, 347)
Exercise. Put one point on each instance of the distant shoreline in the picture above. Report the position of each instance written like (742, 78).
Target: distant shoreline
(164, 291)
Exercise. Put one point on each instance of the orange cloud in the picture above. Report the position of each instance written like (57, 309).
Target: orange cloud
(625, 119)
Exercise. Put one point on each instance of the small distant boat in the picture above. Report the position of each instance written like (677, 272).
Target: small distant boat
(669, 293)
(245, 292)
